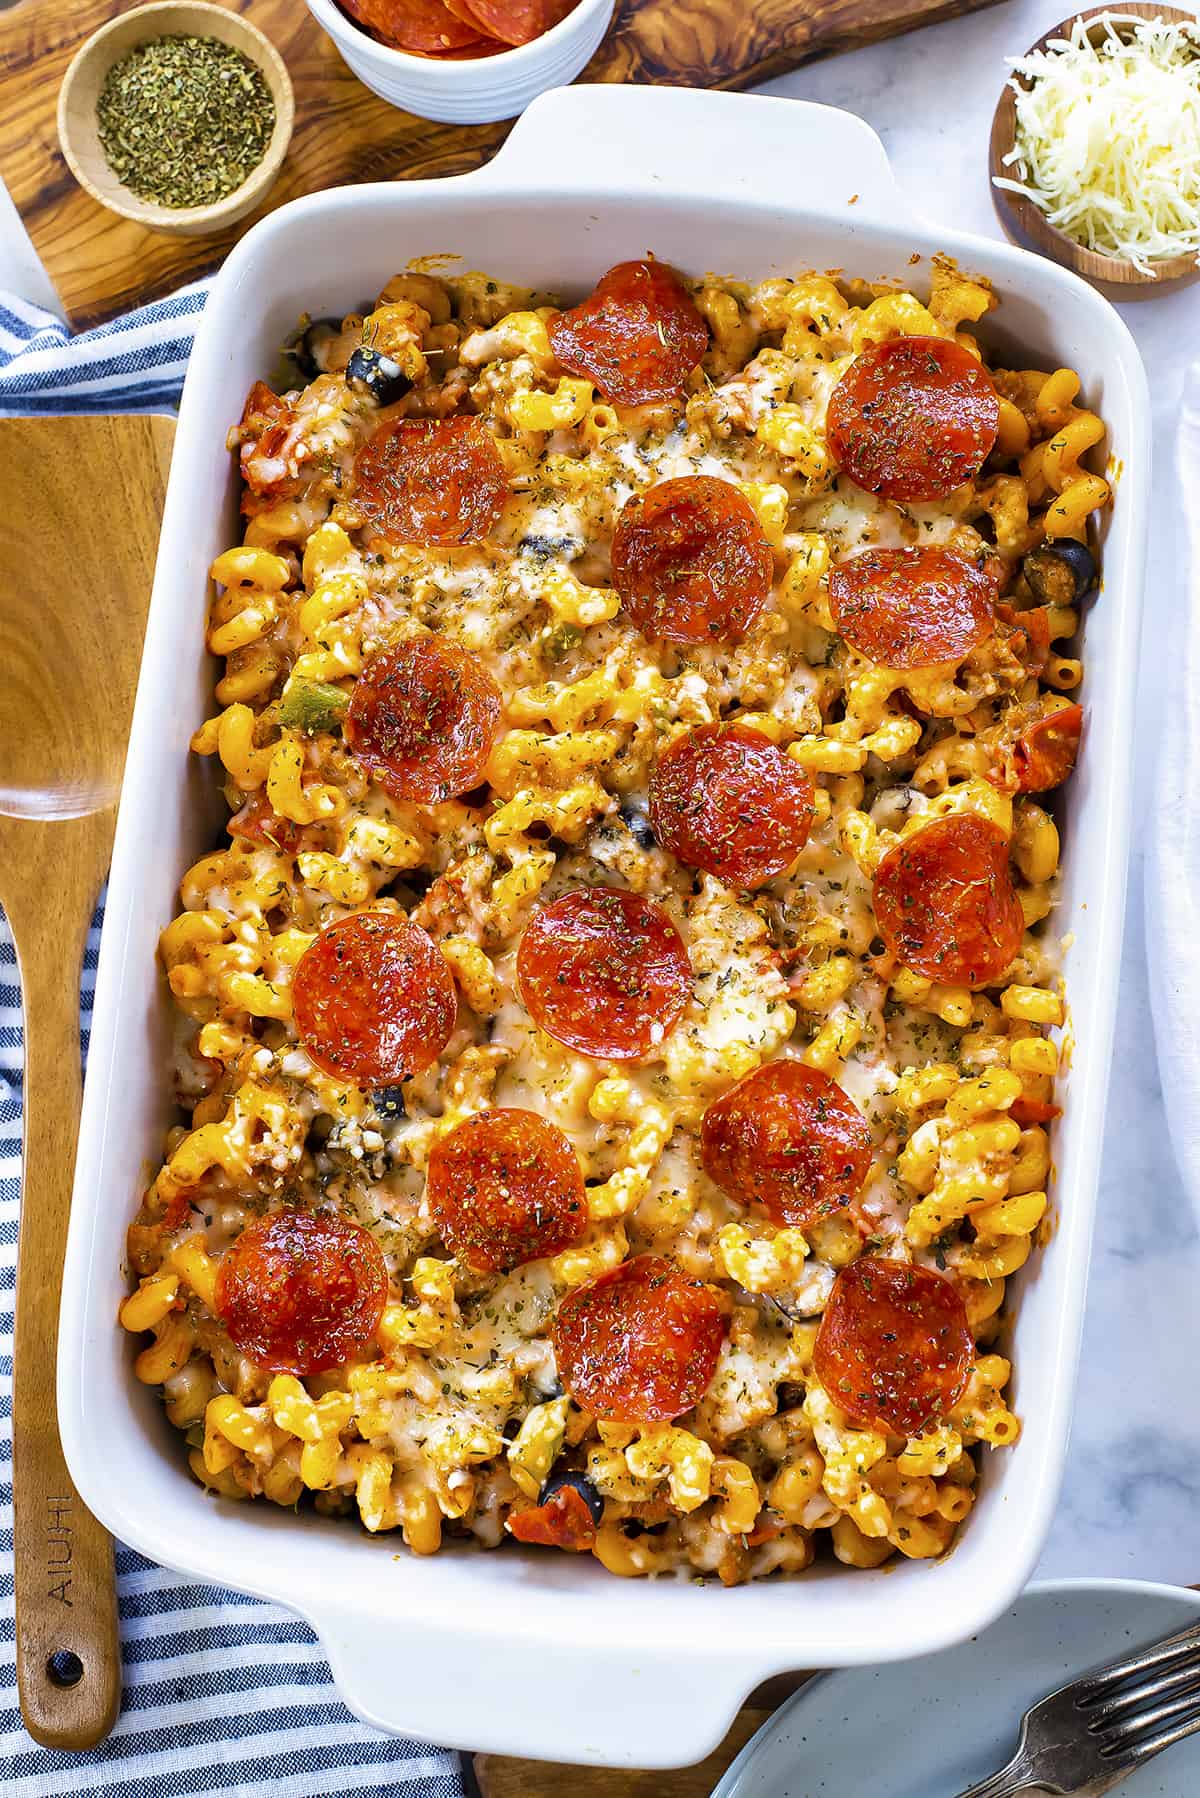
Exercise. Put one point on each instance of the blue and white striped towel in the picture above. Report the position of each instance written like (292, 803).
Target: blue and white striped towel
(223, 1694)
(131, 364)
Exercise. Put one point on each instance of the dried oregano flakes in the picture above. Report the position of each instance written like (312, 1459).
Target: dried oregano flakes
(183, 121)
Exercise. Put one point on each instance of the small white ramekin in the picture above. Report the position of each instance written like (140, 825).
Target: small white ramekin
(468, 92)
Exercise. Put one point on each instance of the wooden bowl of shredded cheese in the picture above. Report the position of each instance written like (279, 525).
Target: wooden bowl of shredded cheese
(1095, 148)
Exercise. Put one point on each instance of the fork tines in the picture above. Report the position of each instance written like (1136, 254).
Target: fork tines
(1126, 1720)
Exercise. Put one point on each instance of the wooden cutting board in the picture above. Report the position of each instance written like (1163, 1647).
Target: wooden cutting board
(102, 265)
(498, 1777)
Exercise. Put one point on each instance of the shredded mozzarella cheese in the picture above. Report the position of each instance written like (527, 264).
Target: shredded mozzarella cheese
(1108, 137)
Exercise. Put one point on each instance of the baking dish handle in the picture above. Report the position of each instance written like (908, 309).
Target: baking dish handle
(520, 1693)
(697, 143)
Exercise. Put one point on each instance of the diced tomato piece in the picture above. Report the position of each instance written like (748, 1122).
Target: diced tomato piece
(1028, 634)
(258, 822)
(269, 431)
(1027, 1112)
(1044, 753)
(564, 1521)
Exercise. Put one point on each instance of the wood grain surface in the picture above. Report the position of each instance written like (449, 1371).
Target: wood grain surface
(102, 265)
(71, 629)
(499, 1777)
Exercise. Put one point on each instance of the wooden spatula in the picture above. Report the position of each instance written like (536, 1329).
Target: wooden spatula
(80, 503)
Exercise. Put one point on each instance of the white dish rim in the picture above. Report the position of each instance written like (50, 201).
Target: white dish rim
(723, 1671)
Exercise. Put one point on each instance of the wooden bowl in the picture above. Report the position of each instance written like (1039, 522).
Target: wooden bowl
(1028, 224)
(79, 135)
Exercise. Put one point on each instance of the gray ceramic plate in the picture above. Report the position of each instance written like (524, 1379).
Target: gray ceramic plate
(927, 1728)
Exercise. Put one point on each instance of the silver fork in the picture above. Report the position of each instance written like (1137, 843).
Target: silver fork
(1087, 1737)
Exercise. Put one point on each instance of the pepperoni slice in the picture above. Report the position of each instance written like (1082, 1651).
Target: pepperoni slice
(564, 1521)
(690, 561)
(374, 1000)
(637, 336)
(300, 1291)
(423, 719)
(726, 799)
(913, 418)
(473, 52)
(945, 902)
(1044, 753)
(641, 1342)
(894, 1347)
(788, 1138)
(913, 608)
(425, 27)
(605, 972)
(506, 1187)
(432, 481)
(519, 21)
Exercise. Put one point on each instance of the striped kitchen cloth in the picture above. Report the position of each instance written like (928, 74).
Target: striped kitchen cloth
(223, 1694)
(132, 364)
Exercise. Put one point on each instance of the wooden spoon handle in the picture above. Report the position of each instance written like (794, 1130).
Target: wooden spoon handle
(68, 1645)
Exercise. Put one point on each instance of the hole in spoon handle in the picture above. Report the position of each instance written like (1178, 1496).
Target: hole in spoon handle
(64, 1667)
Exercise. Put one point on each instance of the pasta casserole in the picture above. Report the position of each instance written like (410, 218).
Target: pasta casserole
(617, 1035)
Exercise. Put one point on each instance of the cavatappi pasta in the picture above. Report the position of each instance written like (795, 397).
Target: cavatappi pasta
(533, 609)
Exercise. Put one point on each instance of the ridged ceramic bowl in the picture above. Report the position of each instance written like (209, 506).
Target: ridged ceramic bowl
(465, 91)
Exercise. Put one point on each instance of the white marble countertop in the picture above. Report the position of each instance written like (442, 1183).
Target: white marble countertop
(1131, 1499)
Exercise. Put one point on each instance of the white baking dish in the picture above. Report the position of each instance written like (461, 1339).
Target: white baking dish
(534, 1653)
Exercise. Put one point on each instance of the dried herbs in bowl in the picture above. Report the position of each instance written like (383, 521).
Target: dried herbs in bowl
(184, 121)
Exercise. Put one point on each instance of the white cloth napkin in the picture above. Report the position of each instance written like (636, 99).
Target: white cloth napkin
(1173, 859)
